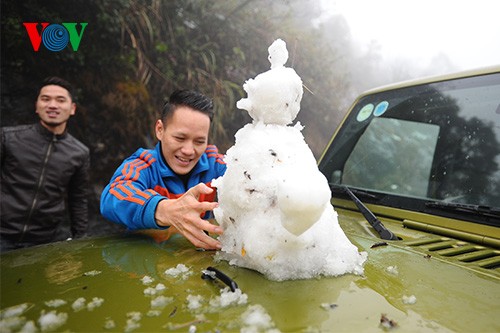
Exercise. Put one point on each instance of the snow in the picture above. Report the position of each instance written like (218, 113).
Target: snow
(95, 303)
(147, 280)
(180, 271)
(151, 291)
(55, 303)
(133, 319)
(392, 270)
(78, 304)
(109, 324)
(161, 301)
(11, 324)
(256, 319)
(153, 313)
(52, 320)
(194, 302)
(277, 91)
(228, 298)
(274, 203)
(14, 311)
(409, 299)
(92, 273)
(29, 327)
(160, 287)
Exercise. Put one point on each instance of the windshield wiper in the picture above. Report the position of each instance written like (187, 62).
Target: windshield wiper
(383, 232)
(465, 208)
(212, 273)
(340, 189)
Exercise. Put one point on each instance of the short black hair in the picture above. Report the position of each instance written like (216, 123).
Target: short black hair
(190, 98)
(57, 81)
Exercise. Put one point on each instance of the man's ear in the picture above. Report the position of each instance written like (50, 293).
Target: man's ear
(73, 109)
(159, 129)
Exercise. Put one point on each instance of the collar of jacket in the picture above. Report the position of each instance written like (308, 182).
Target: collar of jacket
(48, 134)
(201, 166)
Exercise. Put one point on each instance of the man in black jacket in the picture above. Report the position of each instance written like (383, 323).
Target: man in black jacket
(44, 169)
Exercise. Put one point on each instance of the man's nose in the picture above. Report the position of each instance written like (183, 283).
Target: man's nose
(188, 148)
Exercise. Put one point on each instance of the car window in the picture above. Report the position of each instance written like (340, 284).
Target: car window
(387, 150)
(438, 141)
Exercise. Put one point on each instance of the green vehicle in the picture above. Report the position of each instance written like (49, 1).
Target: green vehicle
(414, 171)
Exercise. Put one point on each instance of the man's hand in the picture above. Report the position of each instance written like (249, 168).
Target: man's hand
(184, 215)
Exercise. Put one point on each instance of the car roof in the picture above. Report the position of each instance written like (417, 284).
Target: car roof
(434, 78)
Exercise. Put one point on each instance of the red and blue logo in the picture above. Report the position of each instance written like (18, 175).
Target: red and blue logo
(55, 37)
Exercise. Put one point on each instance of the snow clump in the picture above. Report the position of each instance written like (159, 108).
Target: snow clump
(409, 299)
(55, 303)
(52, 320)
(274, 203)
(228, 298)
(256, 319)
(147, 280)
(181, 271)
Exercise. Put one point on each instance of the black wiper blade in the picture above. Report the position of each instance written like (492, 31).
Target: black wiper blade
(340, 189)
(465, 208)
(383, 232)
(213, 273)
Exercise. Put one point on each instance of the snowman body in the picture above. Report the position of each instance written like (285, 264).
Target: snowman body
(274, 203)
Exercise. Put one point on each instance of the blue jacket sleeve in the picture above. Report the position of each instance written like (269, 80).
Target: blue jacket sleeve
(129, 199)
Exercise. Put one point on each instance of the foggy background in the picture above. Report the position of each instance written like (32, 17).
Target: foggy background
(133, 54)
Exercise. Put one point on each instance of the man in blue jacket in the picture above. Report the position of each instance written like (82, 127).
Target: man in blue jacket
(170, 185)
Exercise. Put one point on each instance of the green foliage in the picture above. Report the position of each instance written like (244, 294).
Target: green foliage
(134, 53)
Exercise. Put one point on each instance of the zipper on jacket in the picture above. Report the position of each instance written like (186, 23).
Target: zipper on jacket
(40, 182)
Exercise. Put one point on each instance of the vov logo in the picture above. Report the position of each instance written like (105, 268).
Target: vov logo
(55, 37)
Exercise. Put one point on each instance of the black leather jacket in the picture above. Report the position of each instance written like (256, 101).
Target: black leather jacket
(38, 170)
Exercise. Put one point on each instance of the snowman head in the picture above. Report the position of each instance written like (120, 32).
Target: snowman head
(274, 96)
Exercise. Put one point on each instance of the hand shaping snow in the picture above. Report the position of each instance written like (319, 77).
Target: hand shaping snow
(184, 213)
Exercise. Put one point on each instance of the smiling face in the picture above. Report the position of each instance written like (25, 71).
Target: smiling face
(54, 106)
(183, 138)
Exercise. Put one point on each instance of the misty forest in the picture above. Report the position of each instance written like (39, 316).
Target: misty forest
(134, 53)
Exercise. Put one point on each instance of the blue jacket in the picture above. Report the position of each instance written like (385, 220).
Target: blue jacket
(144, 179)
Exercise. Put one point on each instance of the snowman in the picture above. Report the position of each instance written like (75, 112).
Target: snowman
(274, 203)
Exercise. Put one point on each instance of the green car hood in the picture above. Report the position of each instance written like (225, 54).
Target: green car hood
(411, 285)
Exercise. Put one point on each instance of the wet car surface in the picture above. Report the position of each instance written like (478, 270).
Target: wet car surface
(441, 272)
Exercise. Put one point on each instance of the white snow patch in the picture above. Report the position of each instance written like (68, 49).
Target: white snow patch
(11, 324)
(149, 291)
(409, 299)
(161, 301)
(95, 303)
(160, 287)
(153, 313)
(228, 297)
(92, 273)
(52, 320)
(13, 311)
(55, 303)
(133, 319)
(392, 270)
(194, 302)
(29, 327)
(147, 280)
(180, 271)
(256, 319)
(78, 304)
(109, 324)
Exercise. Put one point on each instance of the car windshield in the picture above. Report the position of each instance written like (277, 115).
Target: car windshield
(435, 143)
